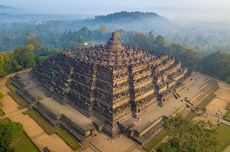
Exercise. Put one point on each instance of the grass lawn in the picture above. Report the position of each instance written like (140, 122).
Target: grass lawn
(49, 129)
(227, 116)
(41, 121)
(21, 142)
(223, 137)
(10, 86)
(69, 139)
(18, 99)
(152, 143)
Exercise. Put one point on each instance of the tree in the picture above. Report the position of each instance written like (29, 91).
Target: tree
(188, 136)
(216, 64)
(8, 63)
(8, 131)
(25, 57)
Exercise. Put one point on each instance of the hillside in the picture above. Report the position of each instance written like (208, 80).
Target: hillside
(132, 21)
(126, 16)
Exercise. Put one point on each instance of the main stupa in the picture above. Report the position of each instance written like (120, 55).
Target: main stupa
(110, 83)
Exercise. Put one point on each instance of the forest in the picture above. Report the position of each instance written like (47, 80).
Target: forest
(22, 58)
(25, 44)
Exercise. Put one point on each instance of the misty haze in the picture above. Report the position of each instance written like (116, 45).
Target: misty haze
(115, 76)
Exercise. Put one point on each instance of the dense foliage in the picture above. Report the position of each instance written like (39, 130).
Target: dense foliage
(77, 38)
(188, 136)
(20, 58)
(44, 39)
(159, 45)
(8, 130)
(217, 65)
(125, 16)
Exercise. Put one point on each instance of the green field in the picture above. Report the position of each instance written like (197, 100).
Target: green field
(1, 96)
(21, 142)
(227, 115)
(18, 99)
(10, 86)
(42, 122)
(223, 137)
(49, 129)
(69, 139)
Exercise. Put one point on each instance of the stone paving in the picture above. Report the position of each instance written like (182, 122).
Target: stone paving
(101, 142)
(31, 128)
(78, 118)
(189, 90)
(122, 143)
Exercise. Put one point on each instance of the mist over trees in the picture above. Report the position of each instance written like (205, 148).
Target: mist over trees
(217, 65)
(26, 44)
(158, 44)
(204, 37)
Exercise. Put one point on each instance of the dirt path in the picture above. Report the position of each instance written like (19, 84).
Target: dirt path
(32, 129)
(227, 149)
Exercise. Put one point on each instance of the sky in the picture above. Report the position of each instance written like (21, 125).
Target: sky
(176, 10)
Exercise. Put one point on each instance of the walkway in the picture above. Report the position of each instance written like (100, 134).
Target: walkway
(224, 122)
(32, 129)
(15, 113)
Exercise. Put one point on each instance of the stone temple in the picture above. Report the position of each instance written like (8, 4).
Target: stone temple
(112, 85)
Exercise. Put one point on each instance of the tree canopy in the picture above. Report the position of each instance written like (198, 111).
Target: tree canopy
(8, 130)
(217, 65)
(188, 136)
(24, 57)
(159, 45)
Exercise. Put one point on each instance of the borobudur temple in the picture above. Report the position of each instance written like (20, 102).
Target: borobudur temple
(111, 83)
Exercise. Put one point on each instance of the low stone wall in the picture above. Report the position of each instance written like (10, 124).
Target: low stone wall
(47, 114)
(22, 92)
(77, 132)
(56, 120)
(147, 133)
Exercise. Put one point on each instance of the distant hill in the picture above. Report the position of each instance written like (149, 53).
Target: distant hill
(135, 21)
(130, 21)
(127, 16)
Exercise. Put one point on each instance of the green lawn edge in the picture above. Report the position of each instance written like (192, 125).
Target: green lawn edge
(49, 129)
(153, 142)
(21, 142)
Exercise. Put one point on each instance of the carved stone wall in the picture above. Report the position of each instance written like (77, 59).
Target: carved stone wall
(110, 82)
